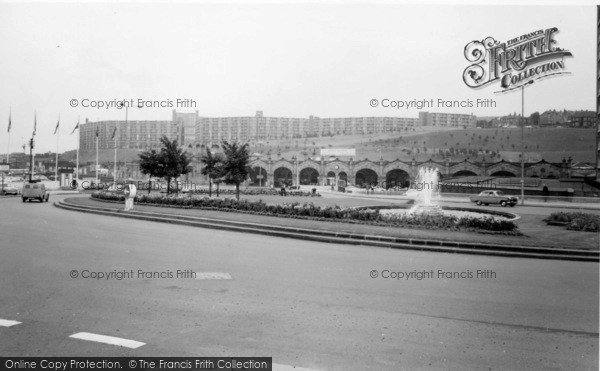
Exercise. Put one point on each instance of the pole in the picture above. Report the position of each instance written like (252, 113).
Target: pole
(8, 145)
(77, 159)
(97, 155)
(126, 130)
(115, 162)
(57, 136)
(523, 144)
(31, 159)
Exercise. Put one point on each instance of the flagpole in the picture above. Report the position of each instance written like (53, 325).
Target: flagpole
(8, 145)
(57, 136)
(97, 128)
(31, 144)
(126, 128)
(77, 160)
(115, 164)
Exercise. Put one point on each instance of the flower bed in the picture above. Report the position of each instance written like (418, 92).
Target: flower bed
(258, 191)
(576, 221)
(330, 213)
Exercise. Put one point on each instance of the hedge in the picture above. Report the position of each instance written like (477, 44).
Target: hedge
(254, 192)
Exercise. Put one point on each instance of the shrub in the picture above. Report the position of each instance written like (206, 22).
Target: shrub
(577, 221)
(257, 191)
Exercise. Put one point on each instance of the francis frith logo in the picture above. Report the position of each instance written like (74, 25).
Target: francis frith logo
(515, 62)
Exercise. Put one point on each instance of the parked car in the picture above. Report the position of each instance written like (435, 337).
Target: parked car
(6, 189)
(494, 197)
(34, 190)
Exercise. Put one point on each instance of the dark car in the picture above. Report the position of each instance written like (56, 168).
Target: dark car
(494, 197)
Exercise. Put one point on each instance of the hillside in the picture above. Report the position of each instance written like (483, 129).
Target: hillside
(493, 144)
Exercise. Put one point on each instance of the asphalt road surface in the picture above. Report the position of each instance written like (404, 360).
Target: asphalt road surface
(306, 304)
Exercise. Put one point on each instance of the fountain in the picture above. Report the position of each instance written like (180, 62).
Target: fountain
(427, 185)
(427, 197)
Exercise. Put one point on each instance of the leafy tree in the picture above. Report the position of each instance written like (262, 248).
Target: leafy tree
(149, 165)
(173, 161)
(213, 167)
(535, 118)
(236, 167)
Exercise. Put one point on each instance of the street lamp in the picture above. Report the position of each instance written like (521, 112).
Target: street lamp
(260, 176)
(523, 141)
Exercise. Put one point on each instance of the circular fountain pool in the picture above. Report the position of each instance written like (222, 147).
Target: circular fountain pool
(456, 211)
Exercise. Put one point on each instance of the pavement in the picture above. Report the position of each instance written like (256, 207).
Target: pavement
(479, 244)
(307, 304)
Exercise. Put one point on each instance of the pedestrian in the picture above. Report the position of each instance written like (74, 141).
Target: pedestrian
(545, 192)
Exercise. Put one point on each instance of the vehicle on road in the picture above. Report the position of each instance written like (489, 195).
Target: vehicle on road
(7, 189)
(34, 190)
(494, 197)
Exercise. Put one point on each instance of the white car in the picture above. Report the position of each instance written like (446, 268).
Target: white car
(8, 189)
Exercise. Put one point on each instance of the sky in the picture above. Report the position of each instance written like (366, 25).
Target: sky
(286, 59)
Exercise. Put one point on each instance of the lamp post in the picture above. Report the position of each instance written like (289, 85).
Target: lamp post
(31, 167)
(523, 141)
(260, 176)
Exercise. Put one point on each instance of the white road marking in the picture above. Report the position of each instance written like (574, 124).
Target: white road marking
(213, 276)
(108, 340)
(277, 367)
(8, 323)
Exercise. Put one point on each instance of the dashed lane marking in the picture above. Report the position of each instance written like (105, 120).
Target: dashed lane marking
(8, 323)
(107, 340)
(213, 276)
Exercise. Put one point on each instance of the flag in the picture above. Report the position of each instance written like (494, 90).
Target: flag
(9, 122)
(57, 125)
(76, 127)
(34, 123)
(97, 132)
(114, 133)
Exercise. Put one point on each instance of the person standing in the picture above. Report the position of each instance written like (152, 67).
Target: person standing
(545, 192)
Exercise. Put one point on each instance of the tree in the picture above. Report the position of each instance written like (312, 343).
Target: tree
(149, 164)
(236, 167)
(535, 118)
(173, 161)
(213, 167)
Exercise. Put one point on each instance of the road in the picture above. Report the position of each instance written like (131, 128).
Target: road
(306, 304)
